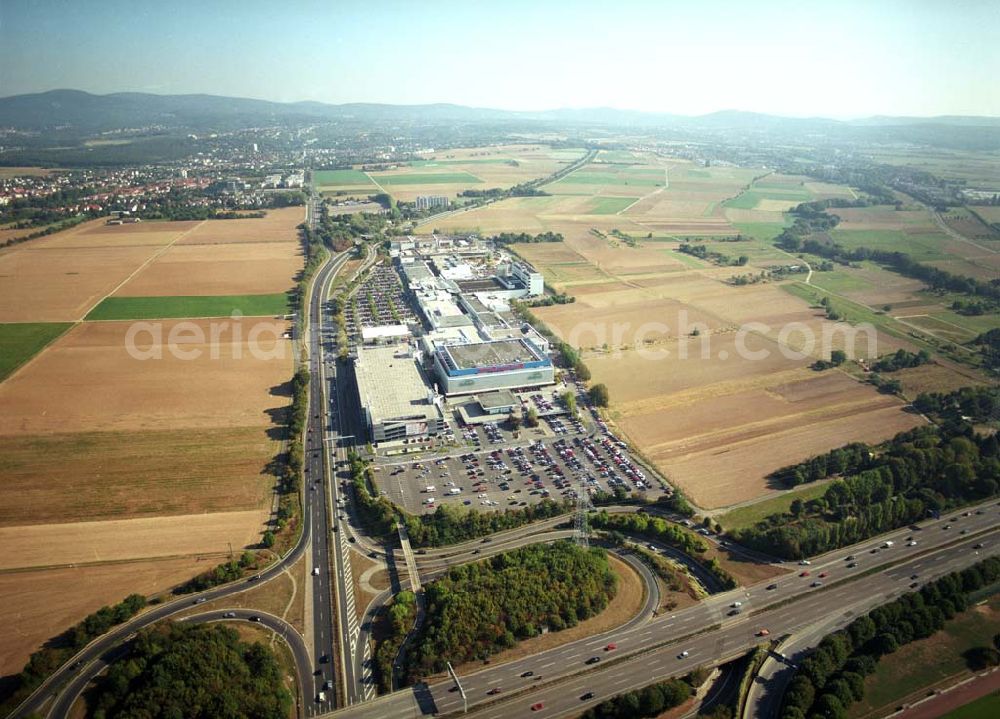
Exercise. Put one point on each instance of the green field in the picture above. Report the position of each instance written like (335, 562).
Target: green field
(330, 178)
(765, 231)
(610, 205)
(927, 662)
(429, 178)
(753, 513)
(639, 179)
(158, 308)
(751, 198)
(987, 707)
(20, 341)
(470, 161)
(841, 281)
(921, 247)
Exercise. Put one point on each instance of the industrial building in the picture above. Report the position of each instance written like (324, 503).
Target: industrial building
(397, 403)
(497, 364)
(428, 202)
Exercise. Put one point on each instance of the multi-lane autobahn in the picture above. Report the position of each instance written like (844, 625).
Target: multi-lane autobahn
(714, 635)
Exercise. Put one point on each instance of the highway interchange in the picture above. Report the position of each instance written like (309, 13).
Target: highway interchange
(646, 649)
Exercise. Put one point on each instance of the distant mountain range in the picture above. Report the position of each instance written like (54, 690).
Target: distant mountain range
(85, 112)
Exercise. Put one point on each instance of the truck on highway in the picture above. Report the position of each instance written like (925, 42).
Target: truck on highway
(887, 543)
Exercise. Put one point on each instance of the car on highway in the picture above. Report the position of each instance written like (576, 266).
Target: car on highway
(528, 673)
(537, 706)
(822, 575)
(736, 604)
(683, 654)
(494, 691)
(254, 618)
(804, 562)
(229, 615)
(585, 697)
(200, 600)
(852, 565)
(593, 660)
(978, 546)
(911, 543)
(817, 583)
(328, 684)
(771, 587)
(611, 647)
(324, 658)
(315, 571)
(849, 558)
(321, 697)
(763, 632)
(804, 574)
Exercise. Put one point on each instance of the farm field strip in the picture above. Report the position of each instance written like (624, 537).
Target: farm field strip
(20, 341)
(136, 308)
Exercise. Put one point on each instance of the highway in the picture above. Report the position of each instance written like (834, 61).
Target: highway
(88, 663)
(802, 606)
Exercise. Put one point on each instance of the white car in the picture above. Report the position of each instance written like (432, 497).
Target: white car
(315, 571)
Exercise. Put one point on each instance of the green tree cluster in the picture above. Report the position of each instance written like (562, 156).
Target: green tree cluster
(646, 525)
(649, 701)
(479, 609)
(194, 671)
(829, 680)
(925, 470)
(901, 359)
(55, 653)
(451, 523)
(399, 620)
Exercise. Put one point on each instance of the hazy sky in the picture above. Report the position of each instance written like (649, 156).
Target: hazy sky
(840, 58)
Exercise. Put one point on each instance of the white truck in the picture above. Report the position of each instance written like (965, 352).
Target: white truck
(887, 543)
(430, 488)
(454, 490)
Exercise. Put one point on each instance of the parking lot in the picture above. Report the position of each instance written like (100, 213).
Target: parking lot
(498, 472)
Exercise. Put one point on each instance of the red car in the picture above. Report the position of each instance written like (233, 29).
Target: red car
(537, 707)
(805, 573)
(611, 647)
(822, 574)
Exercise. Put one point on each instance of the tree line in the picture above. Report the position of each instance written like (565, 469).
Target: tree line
(479, 609)
(901, 359)
(650, 701)
(811, 218)
(193, 671)
(512, 238)
(398, 619)
(57, 651)
(450, 524)
(645, 525)
(919, 473)
(831, 679)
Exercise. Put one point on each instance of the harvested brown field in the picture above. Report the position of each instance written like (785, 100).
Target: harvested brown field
(734, 470)
(935, 378)
(116, 540)
(39, 284)
(66, 388)
(38, 605)
(638, 382)
(276, 226)
(127, 474)
(218, 269)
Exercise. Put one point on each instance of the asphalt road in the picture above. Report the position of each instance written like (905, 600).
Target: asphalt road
(61, 707)
(806, 605)
(87, 663)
